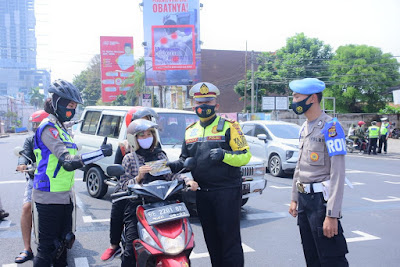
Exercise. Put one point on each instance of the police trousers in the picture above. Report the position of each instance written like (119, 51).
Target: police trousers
(382, 142)
(318, 249)
(219, 214)
(55, 221)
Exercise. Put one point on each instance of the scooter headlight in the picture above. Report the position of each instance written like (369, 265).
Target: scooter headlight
(146, 237)
(173, 246)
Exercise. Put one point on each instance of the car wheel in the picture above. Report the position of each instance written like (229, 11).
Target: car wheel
(244, 201)
(275, 166)
(95, 182)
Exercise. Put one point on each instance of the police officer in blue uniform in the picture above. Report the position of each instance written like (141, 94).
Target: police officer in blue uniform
(318, 180)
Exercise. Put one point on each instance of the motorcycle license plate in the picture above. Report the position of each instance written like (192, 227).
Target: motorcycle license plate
(245, 189)
(166, 213)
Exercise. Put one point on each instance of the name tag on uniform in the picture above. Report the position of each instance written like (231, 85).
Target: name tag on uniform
(334, 138)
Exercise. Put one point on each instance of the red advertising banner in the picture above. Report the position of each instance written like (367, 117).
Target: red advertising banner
(117, 66)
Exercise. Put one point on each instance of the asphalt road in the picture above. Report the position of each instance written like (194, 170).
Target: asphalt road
(371, 217)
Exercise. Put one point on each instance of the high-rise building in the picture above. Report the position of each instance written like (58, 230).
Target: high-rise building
(18, 70)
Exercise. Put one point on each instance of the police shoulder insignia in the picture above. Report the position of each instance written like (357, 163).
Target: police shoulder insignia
(230, 120)
(54, 132)
(191, 125)
(332, 131)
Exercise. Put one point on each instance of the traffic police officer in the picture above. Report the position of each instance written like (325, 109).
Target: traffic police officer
(373, 135)
(318, 180)
(220, 149)
(383, 135)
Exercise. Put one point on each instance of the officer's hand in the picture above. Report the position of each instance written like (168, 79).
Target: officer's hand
(106, 148)
(217, 154)
(330, 227)
(21, 168)
(293, 208)
(192, 185)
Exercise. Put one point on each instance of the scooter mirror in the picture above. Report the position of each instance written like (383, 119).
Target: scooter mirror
(115, 170)
(189, 164)
(18, 150)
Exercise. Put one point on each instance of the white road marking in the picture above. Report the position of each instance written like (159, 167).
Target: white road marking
(391, 199)
(363, 237)
(24, 181)
(267, 215)
(287, 205)
(194, 255)
(89, 219)
(389, 182)
(355, 183)
(280, 187)
(10, 265)
(81, 262)
(369, 172)
(5, 224)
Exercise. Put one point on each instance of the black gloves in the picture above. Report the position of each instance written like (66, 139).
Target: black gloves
(106, 149)
(217, 154)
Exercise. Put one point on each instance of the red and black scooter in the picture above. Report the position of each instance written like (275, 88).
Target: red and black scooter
(165, 234)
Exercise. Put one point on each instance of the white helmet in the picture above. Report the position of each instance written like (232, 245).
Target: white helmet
(137, 126)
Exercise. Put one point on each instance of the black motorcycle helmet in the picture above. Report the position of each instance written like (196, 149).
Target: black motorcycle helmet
(66, 90)
(145, 112)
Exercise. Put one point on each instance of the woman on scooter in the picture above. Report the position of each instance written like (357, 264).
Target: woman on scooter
(143, 139)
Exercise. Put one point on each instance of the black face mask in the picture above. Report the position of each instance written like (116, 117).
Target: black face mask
(205, 111)
(301, 107)
(65, 114)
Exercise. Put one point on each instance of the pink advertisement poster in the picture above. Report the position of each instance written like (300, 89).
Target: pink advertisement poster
(117, 66)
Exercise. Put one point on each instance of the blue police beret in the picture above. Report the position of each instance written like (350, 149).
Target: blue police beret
(307, 86)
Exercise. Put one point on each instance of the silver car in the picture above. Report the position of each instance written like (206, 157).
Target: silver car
(276, 142)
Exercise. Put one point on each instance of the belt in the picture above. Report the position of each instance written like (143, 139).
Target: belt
(306, 188)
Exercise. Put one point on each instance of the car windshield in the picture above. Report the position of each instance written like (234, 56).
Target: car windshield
(172, 127)
(285, 131)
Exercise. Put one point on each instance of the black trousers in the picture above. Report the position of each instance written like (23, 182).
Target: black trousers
(372, 145)
(219, 213)
(318, 249)
(382, 142)
(55, 221)
(131, 233)
(117, 221)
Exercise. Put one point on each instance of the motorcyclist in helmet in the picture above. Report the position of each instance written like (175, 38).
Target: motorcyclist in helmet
(57, 159)
(143, 140)
(23, 161)
(117, 208)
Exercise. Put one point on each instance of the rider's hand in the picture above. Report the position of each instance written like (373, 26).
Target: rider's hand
(142, 172)
(106, 148)
(293, 208)
(21, 168)
(217, 154)
(192, 185)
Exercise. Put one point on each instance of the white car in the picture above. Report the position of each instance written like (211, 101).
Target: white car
(276, 142)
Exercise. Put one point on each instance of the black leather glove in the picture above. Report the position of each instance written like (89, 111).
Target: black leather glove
(106, 148)
(217, 154)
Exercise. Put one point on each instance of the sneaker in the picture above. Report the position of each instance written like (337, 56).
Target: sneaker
(3, 215)
(110, 253)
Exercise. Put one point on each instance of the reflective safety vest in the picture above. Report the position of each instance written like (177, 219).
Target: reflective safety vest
(373, 131)
(50, 176)
(384, 128)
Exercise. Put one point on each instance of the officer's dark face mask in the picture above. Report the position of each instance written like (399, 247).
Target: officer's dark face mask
(65, 114)
(205, 111)
(301, 106)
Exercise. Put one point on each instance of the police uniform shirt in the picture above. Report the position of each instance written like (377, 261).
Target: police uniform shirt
(315, 165)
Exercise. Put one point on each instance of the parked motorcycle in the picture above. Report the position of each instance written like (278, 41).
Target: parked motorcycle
(165, 234)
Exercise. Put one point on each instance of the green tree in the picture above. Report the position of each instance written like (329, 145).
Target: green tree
(138, 79)
(119, 101)
(360, 76)
(301, 57)
(37, 98)
(89, 82)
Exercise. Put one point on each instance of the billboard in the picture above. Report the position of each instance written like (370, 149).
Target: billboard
(117, 66)
(172, 44)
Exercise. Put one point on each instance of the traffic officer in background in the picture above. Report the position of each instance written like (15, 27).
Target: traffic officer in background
(220, 149)
(383, 135)
(373, 135)
(318, 180)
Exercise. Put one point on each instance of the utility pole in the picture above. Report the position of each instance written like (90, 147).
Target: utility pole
(245, 81)
(252, 81)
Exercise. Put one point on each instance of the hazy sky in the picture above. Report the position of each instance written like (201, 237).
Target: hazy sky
(68, 31)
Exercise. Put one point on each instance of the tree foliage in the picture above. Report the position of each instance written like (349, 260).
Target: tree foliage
(360, 77)
(138, 77)
(37, 98)
(89, 82)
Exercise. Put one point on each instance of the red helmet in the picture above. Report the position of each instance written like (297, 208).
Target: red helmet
(360, 123)
(38, 116)
(130, 113)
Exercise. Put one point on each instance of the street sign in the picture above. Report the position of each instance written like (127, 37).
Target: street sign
(281, 103)
(268, 103)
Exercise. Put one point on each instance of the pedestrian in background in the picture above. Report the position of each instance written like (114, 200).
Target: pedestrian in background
(383, 135)
(318, 180)
(373, 135)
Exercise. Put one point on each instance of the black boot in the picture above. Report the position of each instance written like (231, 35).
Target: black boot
(3, 214)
